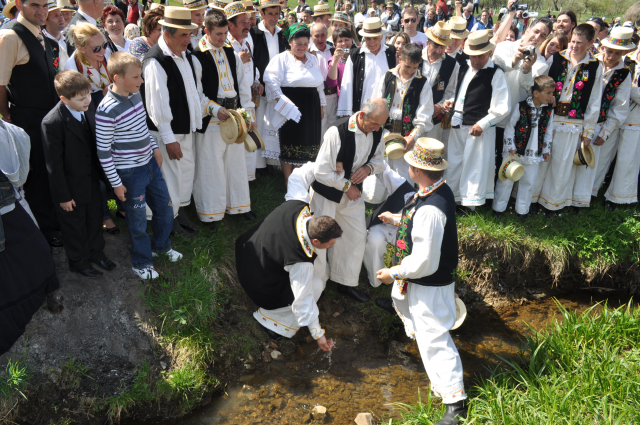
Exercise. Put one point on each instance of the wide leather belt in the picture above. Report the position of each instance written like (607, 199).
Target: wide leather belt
(394, 126)
(562, 109)
(228, 102)
(328, 91)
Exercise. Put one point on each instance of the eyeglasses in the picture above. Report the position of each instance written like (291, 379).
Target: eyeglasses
(98, 48)
(596, 20)
(414, 20)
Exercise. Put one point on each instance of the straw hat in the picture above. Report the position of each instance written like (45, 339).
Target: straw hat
(253, 141)
(268, 3)
(52, 5)
(219, 5)
(229, 129)
(510, 169)
(65, 5)
(391, 4)
(234, 9)
(321, 10)
(620, 39)
(394, 145)
(461, 313)
(177, 17)
(341, 17)
(427, 154)
(440, 33)
(155, 6)
(241, 125)
(7, 8)
(249, 6)
(458, 27)
(195, 4)
(478, 43)
(585, 156)
(372, 27)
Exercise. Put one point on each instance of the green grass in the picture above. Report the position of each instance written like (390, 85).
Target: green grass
(13, 381)
(582, 370)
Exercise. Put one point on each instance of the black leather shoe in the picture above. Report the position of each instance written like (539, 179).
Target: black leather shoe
(522, 217)
(184, 221)
(112, 230)
(354, 293)
(610, 206)
(54, 302)
(211, 225)
(55, 242)
(575, 210)
(497, 214)
(178, 230)
(265, 172)
(250, 215)
(88, 272)
(274, 336)
(533, 209)
(454, 413)
(386, 304)
(551, 214)
(105, 263)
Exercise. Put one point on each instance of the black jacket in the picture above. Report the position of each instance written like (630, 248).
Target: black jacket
(261, 50)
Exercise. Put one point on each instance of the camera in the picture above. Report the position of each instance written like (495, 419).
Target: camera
(529, 51)
(514, 7)
(345, 51)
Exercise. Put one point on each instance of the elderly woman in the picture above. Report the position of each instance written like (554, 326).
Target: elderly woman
(113, 21)
(151, 28)
(554, 44)
(294, 84)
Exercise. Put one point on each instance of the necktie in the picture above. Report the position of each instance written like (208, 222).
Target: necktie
(41, 41)
(82, 119)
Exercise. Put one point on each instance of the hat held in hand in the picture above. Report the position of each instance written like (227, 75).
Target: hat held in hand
(510, 169)
(394, 145)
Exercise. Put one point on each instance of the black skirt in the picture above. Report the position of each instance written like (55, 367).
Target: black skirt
(27, 275)
(300, 141)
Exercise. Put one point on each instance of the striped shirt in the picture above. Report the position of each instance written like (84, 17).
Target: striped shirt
(122, 134)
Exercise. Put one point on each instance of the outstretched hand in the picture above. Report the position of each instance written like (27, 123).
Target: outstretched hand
(325, 344)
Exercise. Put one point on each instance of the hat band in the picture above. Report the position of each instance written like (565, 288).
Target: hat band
(195, 4)
(175, 21)
(583, 161)
(458, 32)
(620, 41)
(270, 3)
(440, 36)
(219, 4)
(427, 157)
(479, 46)
(373, 31)
(506, 165)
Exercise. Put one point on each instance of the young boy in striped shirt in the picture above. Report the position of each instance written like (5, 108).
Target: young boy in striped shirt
(131, 160)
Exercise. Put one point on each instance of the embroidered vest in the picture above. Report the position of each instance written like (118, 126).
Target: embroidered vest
(357, 57)
(610, 91)
(479, 92)
(441, 82)
(410, 100)
(523, 127)
(583, 83)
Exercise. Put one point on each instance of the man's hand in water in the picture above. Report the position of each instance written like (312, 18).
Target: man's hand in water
(325, 344)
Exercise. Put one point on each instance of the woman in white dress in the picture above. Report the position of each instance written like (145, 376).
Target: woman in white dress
(294, 82)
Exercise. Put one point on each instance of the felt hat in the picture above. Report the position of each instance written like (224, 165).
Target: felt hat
(249, 6)
(253, 141)
(440, 33)
(372, 27)
(510, 169)
(341, 17)
(394, 145)
(427, 154)
(177, 17)
(195, 4)
(585, 156)
(52, 5)
(268, 3)
(241, 125)
(229, 129)
(321, 10)
(478, 43)
(458, 27)
(461, 313)
(5, 10)
(234, 9)
(219, 5)
(620, 38)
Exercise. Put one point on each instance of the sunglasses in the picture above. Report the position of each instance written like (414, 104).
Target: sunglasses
(596, 20)
(98, 48)
(414, 20)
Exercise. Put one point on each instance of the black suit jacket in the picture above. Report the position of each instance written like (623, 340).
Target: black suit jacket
(69, 156)
(261, 50)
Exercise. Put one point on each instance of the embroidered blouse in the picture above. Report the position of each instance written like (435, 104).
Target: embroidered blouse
(286, 71)
(619, 105)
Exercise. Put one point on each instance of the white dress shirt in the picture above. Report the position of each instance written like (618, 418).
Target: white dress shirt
(359, 18)
(64, 54)
(272, 40)
(619, 107)
(430, 72)
(375, 66)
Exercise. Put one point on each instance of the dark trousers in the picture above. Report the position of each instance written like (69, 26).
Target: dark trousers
(82, 230)
(36, 189)
(499, 147)
(476, 7)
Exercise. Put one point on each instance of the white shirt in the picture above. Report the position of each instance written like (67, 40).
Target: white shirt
(63, 55)
(157, 93)
(299, 183)
(76, 114)
(323, 60)
(359, 18)
(431, 70)
(272, 40)
(127, 43)
(531, 151)
(619, 107)
(246, 46)
(285, 71)
(499, 107)
(195, 38)
(391, 19)
(89, 19)
(422, 122)
(375, 66)
(420, 39)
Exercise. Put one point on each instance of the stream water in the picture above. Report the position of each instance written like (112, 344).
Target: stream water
(363, 374)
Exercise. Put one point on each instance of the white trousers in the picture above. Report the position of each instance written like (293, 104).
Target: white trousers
(585, 178)
(428, 313)
(537, 186)
(330, 112)
(260, 111)
(526, 185)
(378, 237)
(607, 153)
(624, 184)
(471, 166)
(250, 158)
(561, 173)
(179, 174)
(343, 261)
(221, 183)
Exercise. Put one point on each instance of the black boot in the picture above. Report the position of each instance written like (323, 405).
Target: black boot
(184, 221)
(250, 215)
(533, 210)
(274, 336)
(386, 304)
(522, 217)
(354, 293)
(178, 230)
(497, 214)
(454, 413)
(211, 225)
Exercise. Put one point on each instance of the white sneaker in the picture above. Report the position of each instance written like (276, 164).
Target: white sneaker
(146, 272)
(172, 253)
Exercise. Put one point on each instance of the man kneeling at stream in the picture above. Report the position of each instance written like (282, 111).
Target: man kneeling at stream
(274, 261)
(422, 276)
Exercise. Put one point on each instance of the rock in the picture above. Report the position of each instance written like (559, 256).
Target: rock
(364, 419)
(336, 314)
(318, 413)
(309, 339)
(163, 365)
(275, 355)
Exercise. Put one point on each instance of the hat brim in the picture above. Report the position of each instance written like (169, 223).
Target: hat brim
(242, 133)
(321, 14)
(340, 20)
(204, 6)
(53, 9)
(7, 9)
(610, 45)
(431, 37)
(464, 35)
(461, 313)
(501, 175)
(268, 6)
(370, 35)
(184, 27)
(436, 167)
(229, 130)
(482, 51)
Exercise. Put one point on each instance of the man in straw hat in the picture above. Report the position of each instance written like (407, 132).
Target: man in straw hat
(55, 25)
(217, 6)
(27, 70)
(391, 18)
(459, 34)
(578, 78)
(322, 14)
(10, 12)
(426, 258)
(410, 102)
(340, 19)
(197, 9)
(614, 109)
(175, 105)
(221, 184)
(481, 101)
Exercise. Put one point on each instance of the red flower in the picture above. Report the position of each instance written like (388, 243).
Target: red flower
(406, 118)
(579, 85)
(401, 244)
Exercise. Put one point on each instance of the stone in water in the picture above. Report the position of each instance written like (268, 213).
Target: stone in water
(319, 413)
(364, 419)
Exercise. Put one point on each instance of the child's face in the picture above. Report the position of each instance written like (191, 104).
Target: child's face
(612, 57)
(579, 44)
(131, 80)
(79, 102)
(544, 96)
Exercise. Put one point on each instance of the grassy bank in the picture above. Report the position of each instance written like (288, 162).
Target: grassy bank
(582, 370)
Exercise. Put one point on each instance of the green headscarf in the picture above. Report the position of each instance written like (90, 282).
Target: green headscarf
(292, 29)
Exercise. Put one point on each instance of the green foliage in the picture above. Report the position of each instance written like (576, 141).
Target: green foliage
(72, 372)
(13, 381)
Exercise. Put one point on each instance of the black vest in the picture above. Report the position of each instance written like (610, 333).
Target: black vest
(264, 251)
(211, 82)
(523, 127)
(31, 85)
(442, 80)
(181, 122)
(560, 66)
(394, 204)
(444, 200)
(346, 155)
(610, 90)
(357, 58)
(479, 92)
(462, 57)
(261, 51)
(410, 101)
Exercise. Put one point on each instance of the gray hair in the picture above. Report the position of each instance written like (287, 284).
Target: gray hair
(171, 30)
(319, 23)
(469, 7)
(372, 106)
(543, 20)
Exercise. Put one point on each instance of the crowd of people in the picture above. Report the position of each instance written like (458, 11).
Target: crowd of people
(425, 114)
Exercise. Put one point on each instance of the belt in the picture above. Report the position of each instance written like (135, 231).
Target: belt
(228, 102)
(328, 91)
(562, 109)
(394, 126)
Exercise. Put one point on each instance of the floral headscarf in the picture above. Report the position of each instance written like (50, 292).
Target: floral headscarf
(292, 29)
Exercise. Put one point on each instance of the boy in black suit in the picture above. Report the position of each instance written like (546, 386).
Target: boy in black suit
(68, 134)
